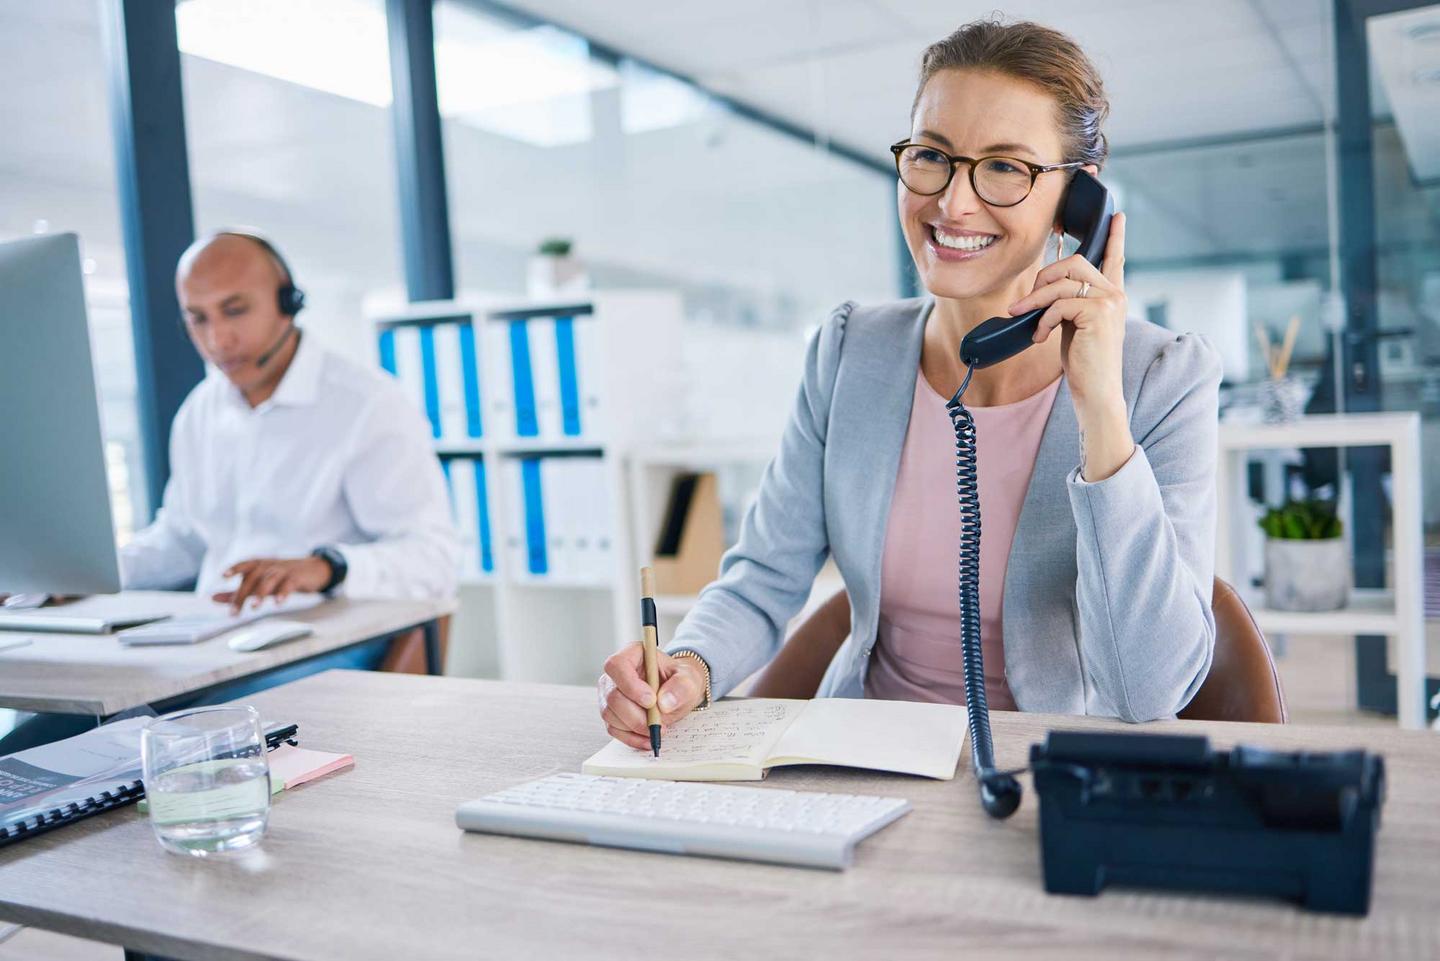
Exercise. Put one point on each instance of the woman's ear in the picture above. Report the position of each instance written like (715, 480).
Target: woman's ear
(1092, 170)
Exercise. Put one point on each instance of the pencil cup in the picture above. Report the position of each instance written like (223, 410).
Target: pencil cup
(207, 780)
(1282, 400)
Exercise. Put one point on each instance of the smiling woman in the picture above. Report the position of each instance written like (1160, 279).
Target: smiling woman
(1101, 437)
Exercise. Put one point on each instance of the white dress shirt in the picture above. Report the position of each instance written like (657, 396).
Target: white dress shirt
(338, 456)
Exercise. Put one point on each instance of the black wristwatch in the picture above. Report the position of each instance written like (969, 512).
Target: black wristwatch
(338, 567)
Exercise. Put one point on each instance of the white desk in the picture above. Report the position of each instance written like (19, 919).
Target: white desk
(368, 863)
(97, 675)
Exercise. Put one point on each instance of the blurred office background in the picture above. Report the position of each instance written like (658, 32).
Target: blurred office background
(1277, 158)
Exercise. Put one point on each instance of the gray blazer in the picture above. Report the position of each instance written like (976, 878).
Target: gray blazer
(1107, 594)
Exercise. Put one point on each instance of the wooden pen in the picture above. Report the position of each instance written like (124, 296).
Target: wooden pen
(651, 646)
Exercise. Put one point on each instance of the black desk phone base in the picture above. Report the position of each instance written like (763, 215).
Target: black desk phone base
(1164, 811)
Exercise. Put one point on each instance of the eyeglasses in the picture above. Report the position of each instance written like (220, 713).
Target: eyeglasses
(999, 181)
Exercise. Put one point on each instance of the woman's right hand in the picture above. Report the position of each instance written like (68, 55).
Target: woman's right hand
(625, 696)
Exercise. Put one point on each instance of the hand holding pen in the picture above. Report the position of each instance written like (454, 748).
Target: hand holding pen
(651, 650)
(627, 695)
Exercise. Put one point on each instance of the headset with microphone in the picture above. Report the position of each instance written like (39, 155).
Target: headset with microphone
(289, 298)
(275, 348)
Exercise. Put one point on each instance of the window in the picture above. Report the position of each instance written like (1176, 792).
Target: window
(655, 182)
(286, 114)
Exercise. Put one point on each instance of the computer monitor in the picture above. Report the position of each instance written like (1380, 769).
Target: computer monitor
(56, 532)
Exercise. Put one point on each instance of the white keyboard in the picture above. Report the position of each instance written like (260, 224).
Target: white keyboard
(749, 823)
(217, 620)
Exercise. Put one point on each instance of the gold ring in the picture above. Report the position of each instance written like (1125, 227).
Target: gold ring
(1084, 289)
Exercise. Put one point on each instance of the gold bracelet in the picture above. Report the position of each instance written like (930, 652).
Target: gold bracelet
(704, 669)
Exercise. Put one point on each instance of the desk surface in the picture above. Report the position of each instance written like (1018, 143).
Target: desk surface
(368, 863)
(96, 674)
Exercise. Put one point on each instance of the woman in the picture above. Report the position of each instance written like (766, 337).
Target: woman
(1096, 446)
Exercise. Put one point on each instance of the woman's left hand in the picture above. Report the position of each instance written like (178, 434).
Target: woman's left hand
(1092, 328)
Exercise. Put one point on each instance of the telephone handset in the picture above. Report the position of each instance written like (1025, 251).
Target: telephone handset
(1086, 215)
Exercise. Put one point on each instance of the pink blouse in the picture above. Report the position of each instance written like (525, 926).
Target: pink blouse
(917, 653)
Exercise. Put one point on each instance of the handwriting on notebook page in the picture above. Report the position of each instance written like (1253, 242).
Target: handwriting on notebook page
(729, 731)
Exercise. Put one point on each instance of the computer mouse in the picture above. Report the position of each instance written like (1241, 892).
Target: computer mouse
(268, 633)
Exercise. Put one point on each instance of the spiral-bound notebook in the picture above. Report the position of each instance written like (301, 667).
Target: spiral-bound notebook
(57, 784)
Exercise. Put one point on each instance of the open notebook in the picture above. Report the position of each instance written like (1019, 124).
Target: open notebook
(738, 740)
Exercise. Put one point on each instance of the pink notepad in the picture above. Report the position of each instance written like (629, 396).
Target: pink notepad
(291, 766)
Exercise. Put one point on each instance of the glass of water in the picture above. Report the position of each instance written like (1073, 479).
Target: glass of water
(207, 780)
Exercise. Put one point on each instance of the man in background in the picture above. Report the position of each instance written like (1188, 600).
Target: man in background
(292, 469)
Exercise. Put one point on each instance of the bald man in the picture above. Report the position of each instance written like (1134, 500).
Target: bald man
(292, 469)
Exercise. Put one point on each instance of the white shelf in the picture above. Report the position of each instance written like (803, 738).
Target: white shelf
(553, 306)
(682, 455)
(562, 584)
(492, 448)
(542, 446)
(1369, 612)
(1321, 430)
(463, 447)
(1398, 612)
(560, 629)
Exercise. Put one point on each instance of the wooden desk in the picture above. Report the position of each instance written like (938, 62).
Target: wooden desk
(95, 674)
(369, 864)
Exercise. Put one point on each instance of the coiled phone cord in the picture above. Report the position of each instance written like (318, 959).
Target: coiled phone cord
(999, 791)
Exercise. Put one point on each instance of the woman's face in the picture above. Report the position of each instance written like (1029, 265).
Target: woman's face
(975, 114)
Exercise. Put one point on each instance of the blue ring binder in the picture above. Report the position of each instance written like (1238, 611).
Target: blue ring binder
(526, 421)
(432, 384)
(470, 369)
(538, 563)
(569, 379)
(387, 351)
(482, 501)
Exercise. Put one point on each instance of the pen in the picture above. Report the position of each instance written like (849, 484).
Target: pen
(651, 649)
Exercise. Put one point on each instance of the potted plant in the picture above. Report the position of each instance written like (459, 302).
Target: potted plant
(1307, 561)
(554, 271)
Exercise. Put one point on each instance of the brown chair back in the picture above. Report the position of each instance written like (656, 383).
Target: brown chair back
(407, 651)
(797, 669)
(1242, 684)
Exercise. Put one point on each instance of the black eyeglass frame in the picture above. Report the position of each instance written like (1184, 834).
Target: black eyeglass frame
(1035, 170)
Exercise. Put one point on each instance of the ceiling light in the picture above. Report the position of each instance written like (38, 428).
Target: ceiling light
(335, 46)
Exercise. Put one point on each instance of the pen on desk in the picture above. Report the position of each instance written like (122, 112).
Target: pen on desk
(650, 646)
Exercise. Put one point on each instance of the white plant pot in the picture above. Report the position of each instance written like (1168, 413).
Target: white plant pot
(1303, 575)
(548, 277)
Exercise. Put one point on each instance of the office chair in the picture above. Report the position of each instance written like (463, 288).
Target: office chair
(1242, 685)
(407, 650)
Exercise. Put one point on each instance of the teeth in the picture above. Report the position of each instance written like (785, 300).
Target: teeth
(962, 243)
